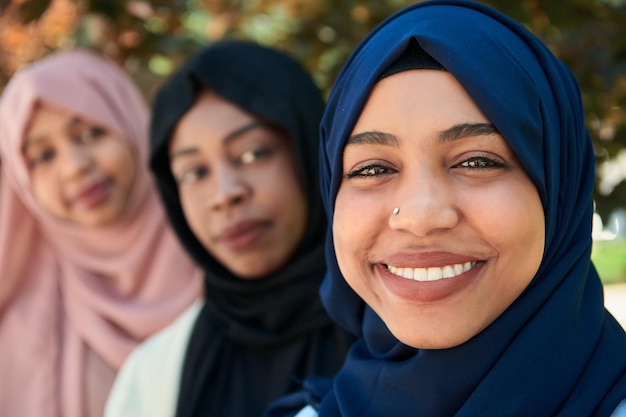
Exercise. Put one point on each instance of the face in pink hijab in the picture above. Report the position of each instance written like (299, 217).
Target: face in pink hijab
(79, 171)
(75, 300)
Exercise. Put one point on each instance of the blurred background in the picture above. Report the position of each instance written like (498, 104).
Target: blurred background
(152, 38)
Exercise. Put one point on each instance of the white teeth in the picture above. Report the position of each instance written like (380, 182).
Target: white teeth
(435, 274)
(420, 274)
(432, 273)
(448, 271)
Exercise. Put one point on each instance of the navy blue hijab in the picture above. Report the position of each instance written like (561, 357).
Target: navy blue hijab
(555, 351)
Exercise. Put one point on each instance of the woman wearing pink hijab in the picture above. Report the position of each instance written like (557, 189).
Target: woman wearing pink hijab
(88, 264)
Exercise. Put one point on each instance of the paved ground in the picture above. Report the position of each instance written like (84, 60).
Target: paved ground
(615, 301)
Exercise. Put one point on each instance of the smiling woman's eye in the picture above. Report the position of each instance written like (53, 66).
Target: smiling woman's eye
(368, 171)
(192, 175)
(481, 162)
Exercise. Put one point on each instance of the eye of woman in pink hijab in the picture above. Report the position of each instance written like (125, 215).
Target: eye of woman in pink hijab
(79, 171)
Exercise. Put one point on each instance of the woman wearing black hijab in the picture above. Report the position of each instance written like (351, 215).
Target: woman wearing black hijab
(234, 147)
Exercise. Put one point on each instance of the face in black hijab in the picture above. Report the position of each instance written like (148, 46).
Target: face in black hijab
(254, 339)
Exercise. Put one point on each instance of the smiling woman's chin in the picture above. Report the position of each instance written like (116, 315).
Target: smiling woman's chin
(428, 336)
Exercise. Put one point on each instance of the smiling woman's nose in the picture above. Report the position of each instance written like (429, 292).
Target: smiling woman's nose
(424, 206)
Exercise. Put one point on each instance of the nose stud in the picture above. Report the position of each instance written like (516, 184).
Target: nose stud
(396, 210)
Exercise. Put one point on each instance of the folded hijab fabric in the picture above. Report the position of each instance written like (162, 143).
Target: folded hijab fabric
(253, 339)
(74, 301)
(555, 351)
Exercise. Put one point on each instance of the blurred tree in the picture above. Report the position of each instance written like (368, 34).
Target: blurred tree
(151, 38)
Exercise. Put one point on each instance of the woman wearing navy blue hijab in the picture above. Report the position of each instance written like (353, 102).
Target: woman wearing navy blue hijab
(457, 172)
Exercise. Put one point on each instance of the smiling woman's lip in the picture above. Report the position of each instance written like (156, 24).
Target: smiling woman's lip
(93, 195)
(243, 235)
(427, 291)
(426, 259)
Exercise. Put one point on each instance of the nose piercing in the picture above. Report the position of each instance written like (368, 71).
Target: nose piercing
(396, 210)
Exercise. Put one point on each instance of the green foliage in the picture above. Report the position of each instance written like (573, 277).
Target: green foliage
(609, 257)
(152, 38)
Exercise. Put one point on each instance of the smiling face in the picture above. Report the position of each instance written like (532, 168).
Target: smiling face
(469, 233)
(239, 187)
(79, 171)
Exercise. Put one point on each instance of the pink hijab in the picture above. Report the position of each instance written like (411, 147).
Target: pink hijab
(74, 301)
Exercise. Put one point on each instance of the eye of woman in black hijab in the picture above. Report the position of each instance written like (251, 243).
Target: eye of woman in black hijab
(239, 187)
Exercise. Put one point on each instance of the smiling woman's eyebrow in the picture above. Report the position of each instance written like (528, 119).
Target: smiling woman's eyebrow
(465, 130)
(373, 137)
(458, 131)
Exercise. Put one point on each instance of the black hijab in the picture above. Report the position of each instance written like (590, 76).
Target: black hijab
(254, 339)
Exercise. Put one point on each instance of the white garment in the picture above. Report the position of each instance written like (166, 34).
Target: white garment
(147, 384)
(620, 411)
(307, 411)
